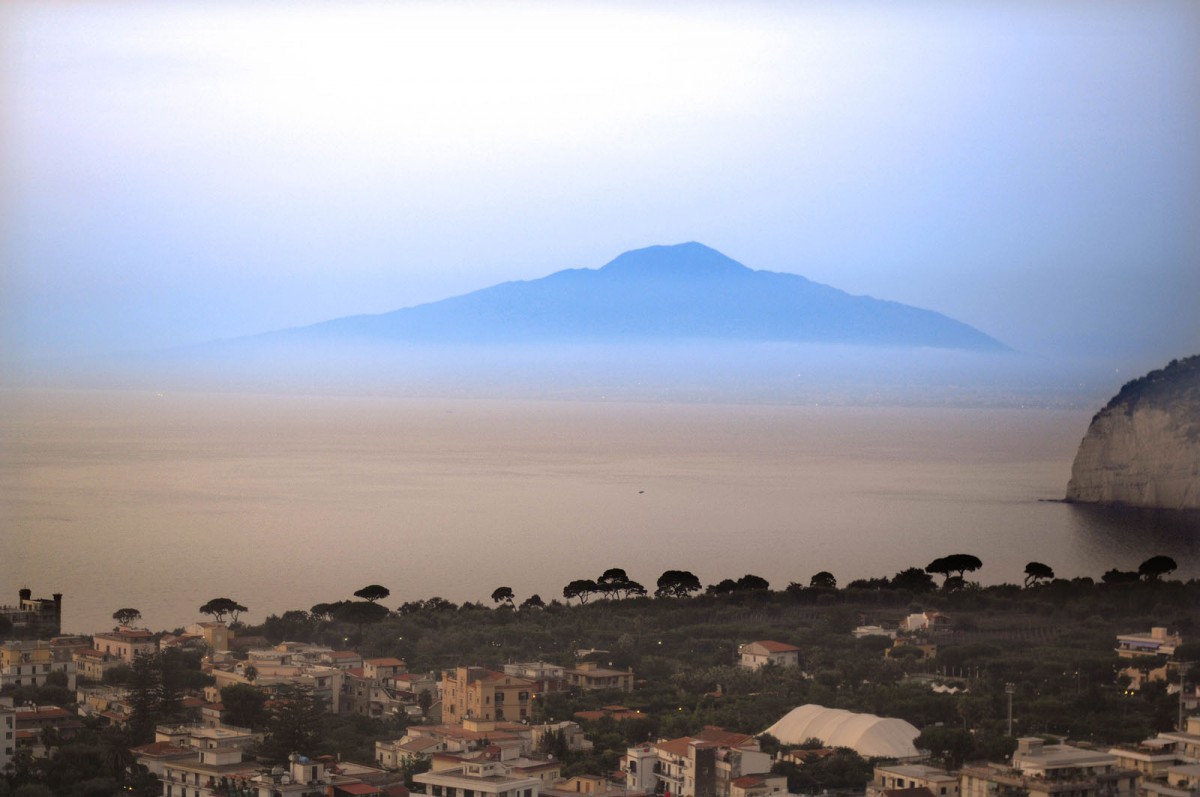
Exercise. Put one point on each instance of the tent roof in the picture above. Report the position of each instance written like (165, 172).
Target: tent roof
(866, 734)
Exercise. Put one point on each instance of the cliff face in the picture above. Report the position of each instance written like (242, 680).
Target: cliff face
(1143, 449)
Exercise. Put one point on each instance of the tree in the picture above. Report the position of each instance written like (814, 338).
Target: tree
(533, 602)
(725, 586)
(294, 725)
(117, 758)
(1116, 576)
(963, 563)
(325, 611)
(126, 616)
(438, 604)
(245, 706)
(581, 588)
(425, 701)
(372, 593)
(170, 683)
(633, 588)
(217, 608)
(677, 584)
(360, 613)
(1156, 566)
(143, 698)
(939, 567)
(612, 581)
(752, 582)
(950, 745)
(960, 563)
(914, 579)
(1036, 571)
(823, 580)
(504, 594)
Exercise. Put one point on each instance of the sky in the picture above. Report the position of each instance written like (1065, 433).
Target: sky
(179, 172)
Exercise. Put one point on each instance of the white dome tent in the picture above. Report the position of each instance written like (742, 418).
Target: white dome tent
(865, 734)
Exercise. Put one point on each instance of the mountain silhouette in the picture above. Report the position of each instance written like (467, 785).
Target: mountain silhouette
(657, 294)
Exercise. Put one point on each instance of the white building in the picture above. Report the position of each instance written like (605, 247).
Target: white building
(484, 778)
(756, 655)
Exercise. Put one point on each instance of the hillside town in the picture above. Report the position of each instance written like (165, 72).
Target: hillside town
(217, 707)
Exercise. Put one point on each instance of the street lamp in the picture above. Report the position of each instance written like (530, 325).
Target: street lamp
(1009, 689)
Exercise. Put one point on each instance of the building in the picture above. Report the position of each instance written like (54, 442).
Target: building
(197, 736)
(156, 755)
(1182, 780)
(711, 764)
(8, 736)
(589, 676)
(33, 618)
(471, 736)
(863, 631)
(478, 693)
(32, 721)
(756, 655)
(547, 677)
(483, 778)
(92, 664)
(323, 681)
(939, 782)
(342, 659)
(1152, 653)
(1151, 758)
(1156, 643)
(591, 786)
(31, 662)
(221, 772)
(928, 622)
(1185, 744)
(760, 785)
(1042, 770)
(126, 643)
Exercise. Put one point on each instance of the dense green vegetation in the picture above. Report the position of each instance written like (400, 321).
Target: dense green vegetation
(1052, 639)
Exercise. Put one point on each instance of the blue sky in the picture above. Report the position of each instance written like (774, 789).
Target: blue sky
(174, 173)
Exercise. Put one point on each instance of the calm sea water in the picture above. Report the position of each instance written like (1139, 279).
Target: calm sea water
(161, 502)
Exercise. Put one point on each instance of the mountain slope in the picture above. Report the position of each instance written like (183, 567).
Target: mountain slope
(1143, 448)
(661, 293)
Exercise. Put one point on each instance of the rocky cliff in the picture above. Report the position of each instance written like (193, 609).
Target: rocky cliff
(1143, 449)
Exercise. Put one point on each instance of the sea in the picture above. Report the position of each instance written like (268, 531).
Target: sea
(162, 501)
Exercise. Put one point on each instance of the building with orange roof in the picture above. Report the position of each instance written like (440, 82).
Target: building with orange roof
(759, 785)
(31, 721)
(691, 766)
(756, 655)
(154, 755)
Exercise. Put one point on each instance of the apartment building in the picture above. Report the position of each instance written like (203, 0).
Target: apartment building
(478, 693)
(30, 663)
(1044, 770)
(125, 643)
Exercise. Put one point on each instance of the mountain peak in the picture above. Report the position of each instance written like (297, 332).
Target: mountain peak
(689, 259)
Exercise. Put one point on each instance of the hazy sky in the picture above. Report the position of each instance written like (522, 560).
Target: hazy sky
(175, 172)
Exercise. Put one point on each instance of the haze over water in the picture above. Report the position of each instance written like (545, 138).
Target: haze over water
(161, 502)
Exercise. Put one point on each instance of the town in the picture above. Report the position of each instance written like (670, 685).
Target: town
(886, 687)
